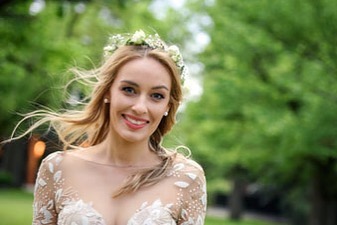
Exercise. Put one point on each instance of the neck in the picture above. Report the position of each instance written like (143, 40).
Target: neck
(126, 154)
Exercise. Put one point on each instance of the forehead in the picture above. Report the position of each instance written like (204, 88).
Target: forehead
(145, 71)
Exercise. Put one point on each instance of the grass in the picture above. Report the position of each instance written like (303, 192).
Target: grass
(16, 209)
(218, 221)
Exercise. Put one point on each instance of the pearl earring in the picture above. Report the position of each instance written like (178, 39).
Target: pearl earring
(166, 114)
(106, 100)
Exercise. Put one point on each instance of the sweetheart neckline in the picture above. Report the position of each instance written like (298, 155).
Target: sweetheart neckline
(73, 206)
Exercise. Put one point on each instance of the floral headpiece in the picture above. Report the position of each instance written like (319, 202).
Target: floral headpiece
(152, 41)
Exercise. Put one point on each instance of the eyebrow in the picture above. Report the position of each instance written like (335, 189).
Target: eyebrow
(135, 84)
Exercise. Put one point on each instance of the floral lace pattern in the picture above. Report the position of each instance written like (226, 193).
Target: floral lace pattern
(78, 213)
(57, 203)
(153, 214)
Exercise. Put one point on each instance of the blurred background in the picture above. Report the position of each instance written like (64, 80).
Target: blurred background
(260, 112)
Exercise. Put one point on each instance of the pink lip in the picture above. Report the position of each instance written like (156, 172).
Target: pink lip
(134, 122)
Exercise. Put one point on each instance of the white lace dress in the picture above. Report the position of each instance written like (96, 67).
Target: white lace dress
(73, 191)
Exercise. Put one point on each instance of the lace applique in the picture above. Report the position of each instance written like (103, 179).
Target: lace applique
(46, 212)
(57, 203)
(193, 191)
(79, 213)
(154, 214)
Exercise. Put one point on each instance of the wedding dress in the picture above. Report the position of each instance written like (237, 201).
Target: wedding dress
(71, 190)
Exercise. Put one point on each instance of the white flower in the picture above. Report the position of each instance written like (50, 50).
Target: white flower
(110, 48)
(173, 50)
(152, 41)
(138, 37)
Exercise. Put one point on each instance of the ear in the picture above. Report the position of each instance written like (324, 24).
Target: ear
(168, 107)
(106, 98)
(107, 94)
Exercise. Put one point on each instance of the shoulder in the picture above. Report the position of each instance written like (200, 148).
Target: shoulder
(50, 163)
(187, 168)
(190, 178)
(186, 164)
(54, 158)
(58, 156)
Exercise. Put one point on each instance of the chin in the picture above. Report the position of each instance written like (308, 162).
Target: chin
(134, 138)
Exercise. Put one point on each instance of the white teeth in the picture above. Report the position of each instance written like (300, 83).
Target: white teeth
(136, 122)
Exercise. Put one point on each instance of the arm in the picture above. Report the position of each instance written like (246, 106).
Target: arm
(44, 203)
(193, 210)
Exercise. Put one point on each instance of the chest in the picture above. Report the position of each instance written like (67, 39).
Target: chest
(88, 196)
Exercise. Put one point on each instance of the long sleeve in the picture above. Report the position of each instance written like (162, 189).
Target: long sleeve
(194, 198)
(44, 195)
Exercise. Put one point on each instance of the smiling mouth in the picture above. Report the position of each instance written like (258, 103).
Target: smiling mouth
(134, 121)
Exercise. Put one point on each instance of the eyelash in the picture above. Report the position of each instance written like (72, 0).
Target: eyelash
(131, 91)
(128, 90)
(158, 96)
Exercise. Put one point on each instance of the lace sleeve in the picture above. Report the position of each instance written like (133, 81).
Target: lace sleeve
(44, 199)
(194, 199)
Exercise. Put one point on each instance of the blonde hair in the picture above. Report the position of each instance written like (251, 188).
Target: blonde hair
(91, 125)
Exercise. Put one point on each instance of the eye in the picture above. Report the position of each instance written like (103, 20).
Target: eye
(128, 90)
(157, 96)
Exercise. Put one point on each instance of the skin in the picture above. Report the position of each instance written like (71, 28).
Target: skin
(138, 99)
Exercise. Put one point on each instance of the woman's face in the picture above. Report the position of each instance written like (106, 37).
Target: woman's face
(139, 97)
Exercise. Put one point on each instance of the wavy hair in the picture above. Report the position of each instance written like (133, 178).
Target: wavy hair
(90, 125)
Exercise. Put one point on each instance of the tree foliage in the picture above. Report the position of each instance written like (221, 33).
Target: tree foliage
(269, 100)
(269, 106)
(38, 46)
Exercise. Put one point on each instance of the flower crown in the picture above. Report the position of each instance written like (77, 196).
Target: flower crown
(139, 38)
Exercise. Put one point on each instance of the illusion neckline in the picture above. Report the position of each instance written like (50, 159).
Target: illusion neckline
(111, 164)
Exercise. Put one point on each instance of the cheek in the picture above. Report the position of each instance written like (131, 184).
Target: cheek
(159, 111)
(118, 101)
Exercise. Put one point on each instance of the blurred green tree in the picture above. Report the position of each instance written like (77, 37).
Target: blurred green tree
(40, 40)
(269, 106)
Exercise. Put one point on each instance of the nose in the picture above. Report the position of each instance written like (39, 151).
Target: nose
(140, 105)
